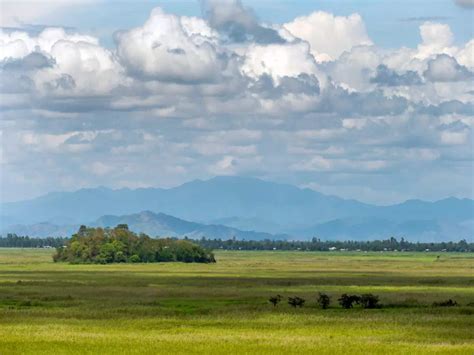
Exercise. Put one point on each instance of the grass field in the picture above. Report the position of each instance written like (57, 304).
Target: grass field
(48, 308)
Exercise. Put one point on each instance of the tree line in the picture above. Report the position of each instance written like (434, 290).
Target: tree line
(15, 241)
(317, 244)
(120, 245)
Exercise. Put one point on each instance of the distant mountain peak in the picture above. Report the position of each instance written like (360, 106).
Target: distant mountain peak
(246, 203)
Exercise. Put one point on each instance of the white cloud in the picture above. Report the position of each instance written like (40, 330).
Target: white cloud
(171, 48)
(184, 97)
(328, 35)
(225, 166)
(78, 63)
(322, 164)
(466, 55)
(446, 68)
(454, 138)
(98, 168)
(280, 60)
(15, 13)
(436, 38)
(18, 44)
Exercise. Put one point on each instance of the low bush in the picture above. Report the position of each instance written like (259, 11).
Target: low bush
(447, 303)
(369, 300)
(296, 301)
(323, 300)
(274, 300)
(347, 301)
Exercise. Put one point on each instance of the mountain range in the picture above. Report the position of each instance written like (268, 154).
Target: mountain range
(246, 208)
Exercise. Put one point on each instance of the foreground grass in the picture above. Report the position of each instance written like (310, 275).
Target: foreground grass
(50, 308)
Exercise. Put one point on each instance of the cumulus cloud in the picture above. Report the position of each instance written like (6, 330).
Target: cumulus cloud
(446, 68)
(466, 55)
(32, 61)
(279, 60)
(388, 77)
(183, 97)
(238, 23)
(436, 38)
(171, 48)
(63, 63)
(328, 35)
(266, 87)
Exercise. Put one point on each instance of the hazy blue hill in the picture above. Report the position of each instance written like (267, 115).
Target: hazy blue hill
(153, 224)
(41, 230)
(249, 223)
(247, 198)
(369, 228)
(251, 204)
(150, 223)
(81, 205)
(203, 201)
(160, 224)
(447, 209)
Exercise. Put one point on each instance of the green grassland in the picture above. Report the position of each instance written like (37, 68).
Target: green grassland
(167, 308)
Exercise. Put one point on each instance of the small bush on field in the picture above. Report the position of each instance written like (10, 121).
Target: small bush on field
(447, 303)
(369, 300)
(296, 301)
(274, 300)
(323, 300)
(347, 301)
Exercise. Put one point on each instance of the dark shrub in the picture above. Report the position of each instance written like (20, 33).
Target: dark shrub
(369, 300)
(447, 303)
(323, 300)
(347, 301)
(274, 300)
(296, 301)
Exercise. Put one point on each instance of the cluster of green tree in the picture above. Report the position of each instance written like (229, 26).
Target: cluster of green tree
(346, 301)
(321, 245)
(99, 245)
(15, 241)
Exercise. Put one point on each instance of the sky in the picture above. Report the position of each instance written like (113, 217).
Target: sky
(371, 100)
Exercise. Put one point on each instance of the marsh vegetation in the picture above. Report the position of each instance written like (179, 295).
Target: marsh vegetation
(223, 307)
